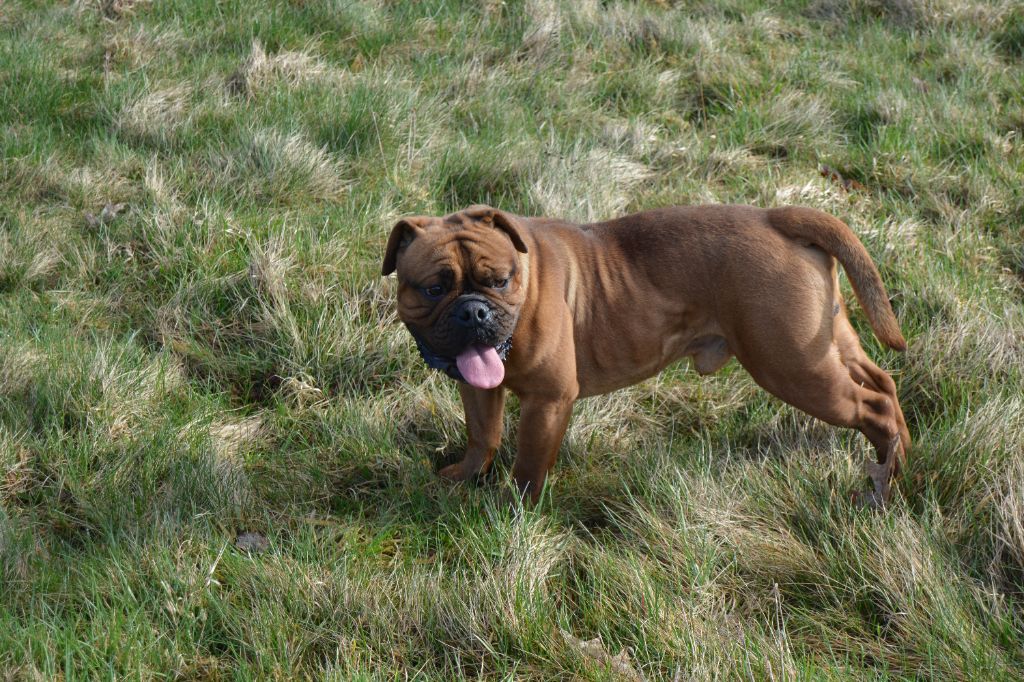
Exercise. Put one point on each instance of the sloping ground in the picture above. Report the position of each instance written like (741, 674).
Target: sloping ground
(194, 342)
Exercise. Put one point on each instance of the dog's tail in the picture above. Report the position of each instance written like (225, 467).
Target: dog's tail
(837, 239)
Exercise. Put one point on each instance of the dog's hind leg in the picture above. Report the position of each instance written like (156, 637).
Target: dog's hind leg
(827, 390)
(803, 364)
(867, 373)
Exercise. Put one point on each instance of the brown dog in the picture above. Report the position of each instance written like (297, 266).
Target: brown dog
(555, 312)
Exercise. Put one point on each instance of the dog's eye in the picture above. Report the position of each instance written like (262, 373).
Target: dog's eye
(433, 292)
(500, 284)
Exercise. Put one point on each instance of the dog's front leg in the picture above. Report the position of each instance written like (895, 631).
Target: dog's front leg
(541, 427)
(484, 411)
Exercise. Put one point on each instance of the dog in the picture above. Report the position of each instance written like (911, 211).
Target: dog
(554, 312)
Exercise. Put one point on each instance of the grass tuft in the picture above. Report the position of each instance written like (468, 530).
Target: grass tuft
(290, 68)
(586, 184)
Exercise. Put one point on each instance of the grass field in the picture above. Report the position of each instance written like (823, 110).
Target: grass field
(195, 342)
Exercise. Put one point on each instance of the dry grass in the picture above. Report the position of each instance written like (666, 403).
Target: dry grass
(586, 184)
(156, 116)
(289, 68)
(284, 168)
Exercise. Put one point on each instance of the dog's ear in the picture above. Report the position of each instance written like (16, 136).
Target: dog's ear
(501, 220)
(509, 225)
(402, 233)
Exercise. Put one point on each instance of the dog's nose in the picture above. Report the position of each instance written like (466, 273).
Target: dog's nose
(472, 313)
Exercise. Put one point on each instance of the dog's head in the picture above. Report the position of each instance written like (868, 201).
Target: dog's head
(461, 285)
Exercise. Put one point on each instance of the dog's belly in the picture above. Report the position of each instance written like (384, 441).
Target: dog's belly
(607, 362)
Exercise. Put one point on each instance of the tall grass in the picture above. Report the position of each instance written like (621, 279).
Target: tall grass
(194, 198)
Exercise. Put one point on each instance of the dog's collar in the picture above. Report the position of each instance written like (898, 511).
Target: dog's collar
(448, 365)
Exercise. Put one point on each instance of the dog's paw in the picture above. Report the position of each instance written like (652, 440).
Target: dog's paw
(868, 500)
(456, 472)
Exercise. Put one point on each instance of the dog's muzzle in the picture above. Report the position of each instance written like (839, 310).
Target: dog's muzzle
(447, 365)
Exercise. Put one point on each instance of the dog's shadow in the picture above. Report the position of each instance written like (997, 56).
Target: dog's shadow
(614, 443)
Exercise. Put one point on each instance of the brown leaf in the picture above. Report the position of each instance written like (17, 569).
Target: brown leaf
(106, 216)
(110, 211)
(846, 183)
(252, 542)
(593, 648)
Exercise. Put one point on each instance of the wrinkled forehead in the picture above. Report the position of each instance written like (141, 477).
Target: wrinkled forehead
(459, 246)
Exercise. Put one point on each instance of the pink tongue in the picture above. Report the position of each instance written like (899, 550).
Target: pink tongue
(481, 366)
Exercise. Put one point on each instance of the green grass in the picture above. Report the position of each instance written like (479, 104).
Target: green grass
(221, 356)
